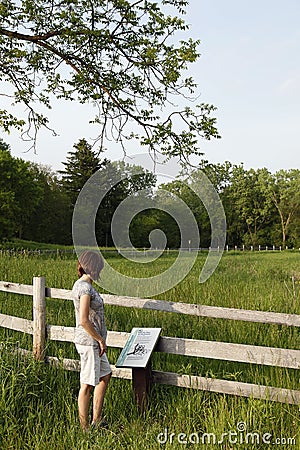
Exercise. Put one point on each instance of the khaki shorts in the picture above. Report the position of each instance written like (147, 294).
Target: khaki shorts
(92, 366)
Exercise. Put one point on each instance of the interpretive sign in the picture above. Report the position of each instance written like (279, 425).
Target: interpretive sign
(138, 348)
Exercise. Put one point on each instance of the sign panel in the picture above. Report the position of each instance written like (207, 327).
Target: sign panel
(138, 348)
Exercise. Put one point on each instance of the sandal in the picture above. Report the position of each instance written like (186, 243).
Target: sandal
(99, 425)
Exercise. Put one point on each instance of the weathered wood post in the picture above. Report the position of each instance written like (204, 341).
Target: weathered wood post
(141, 382)
(39, 317)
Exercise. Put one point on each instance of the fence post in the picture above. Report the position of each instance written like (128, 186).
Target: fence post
(39, 317)
(141, 381)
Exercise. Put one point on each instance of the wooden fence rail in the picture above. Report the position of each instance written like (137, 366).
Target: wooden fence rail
(162, 305)
(269, 356)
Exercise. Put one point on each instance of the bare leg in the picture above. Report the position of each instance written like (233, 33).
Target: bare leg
(98, 399)
(83, 404)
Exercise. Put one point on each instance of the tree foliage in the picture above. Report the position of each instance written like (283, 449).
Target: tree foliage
(250, 196)
(285, 194)
(132, 179)
(118, 179)
(80, 165)
(19, 194)
(50, 221)
(120, 55)
(262, 208)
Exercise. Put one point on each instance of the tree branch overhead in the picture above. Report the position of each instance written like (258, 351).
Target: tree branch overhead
(117, 54)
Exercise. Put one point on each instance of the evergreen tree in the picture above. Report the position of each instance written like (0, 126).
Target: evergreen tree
(81, 164)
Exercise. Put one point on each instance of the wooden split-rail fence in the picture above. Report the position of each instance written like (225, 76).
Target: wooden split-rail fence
(278, 357)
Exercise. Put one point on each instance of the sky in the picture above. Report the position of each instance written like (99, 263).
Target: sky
(249, 69)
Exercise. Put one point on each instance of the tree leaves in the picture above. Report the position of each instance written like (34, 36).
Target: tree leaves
(120, 55)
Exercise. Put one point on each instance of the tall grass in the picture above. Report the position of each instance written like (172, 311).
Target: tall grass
(38, 406)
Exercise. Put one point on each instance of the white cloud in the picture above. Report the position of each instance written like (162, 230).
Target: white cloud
(291, 85)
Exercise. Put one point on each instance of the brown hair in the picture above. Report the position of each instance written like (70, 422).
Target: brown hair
(90, 263)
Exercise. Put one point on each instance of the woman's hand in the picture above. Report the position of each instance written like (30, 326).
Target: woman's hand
(102, 347)
(87, 324)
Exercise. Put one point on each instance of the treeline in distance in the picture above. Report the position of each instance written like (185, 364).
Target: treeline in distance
(36, 203)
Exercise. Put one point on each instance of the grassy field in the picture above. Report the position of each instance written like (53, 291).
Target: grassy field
(38, 403)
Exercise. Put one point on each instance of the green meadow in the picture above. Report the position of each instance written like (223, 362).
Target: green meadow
(38, 403)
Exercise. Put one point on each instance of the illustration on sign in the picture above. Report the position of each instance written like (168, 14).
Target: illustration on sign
(139, 347)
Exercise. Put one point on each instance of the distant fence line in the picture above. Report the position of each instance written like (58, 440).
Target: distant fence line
(146, 251)
(277, 357)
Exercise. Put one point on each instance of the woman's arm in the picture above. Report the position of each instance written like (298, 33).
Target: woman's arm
(87, 324)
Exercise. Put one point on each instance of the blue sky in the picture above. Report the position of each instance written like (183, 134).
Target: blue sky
(249, 69)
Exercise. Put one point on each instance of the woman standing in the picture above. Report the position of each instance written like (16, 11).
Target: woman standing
(90, 339)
